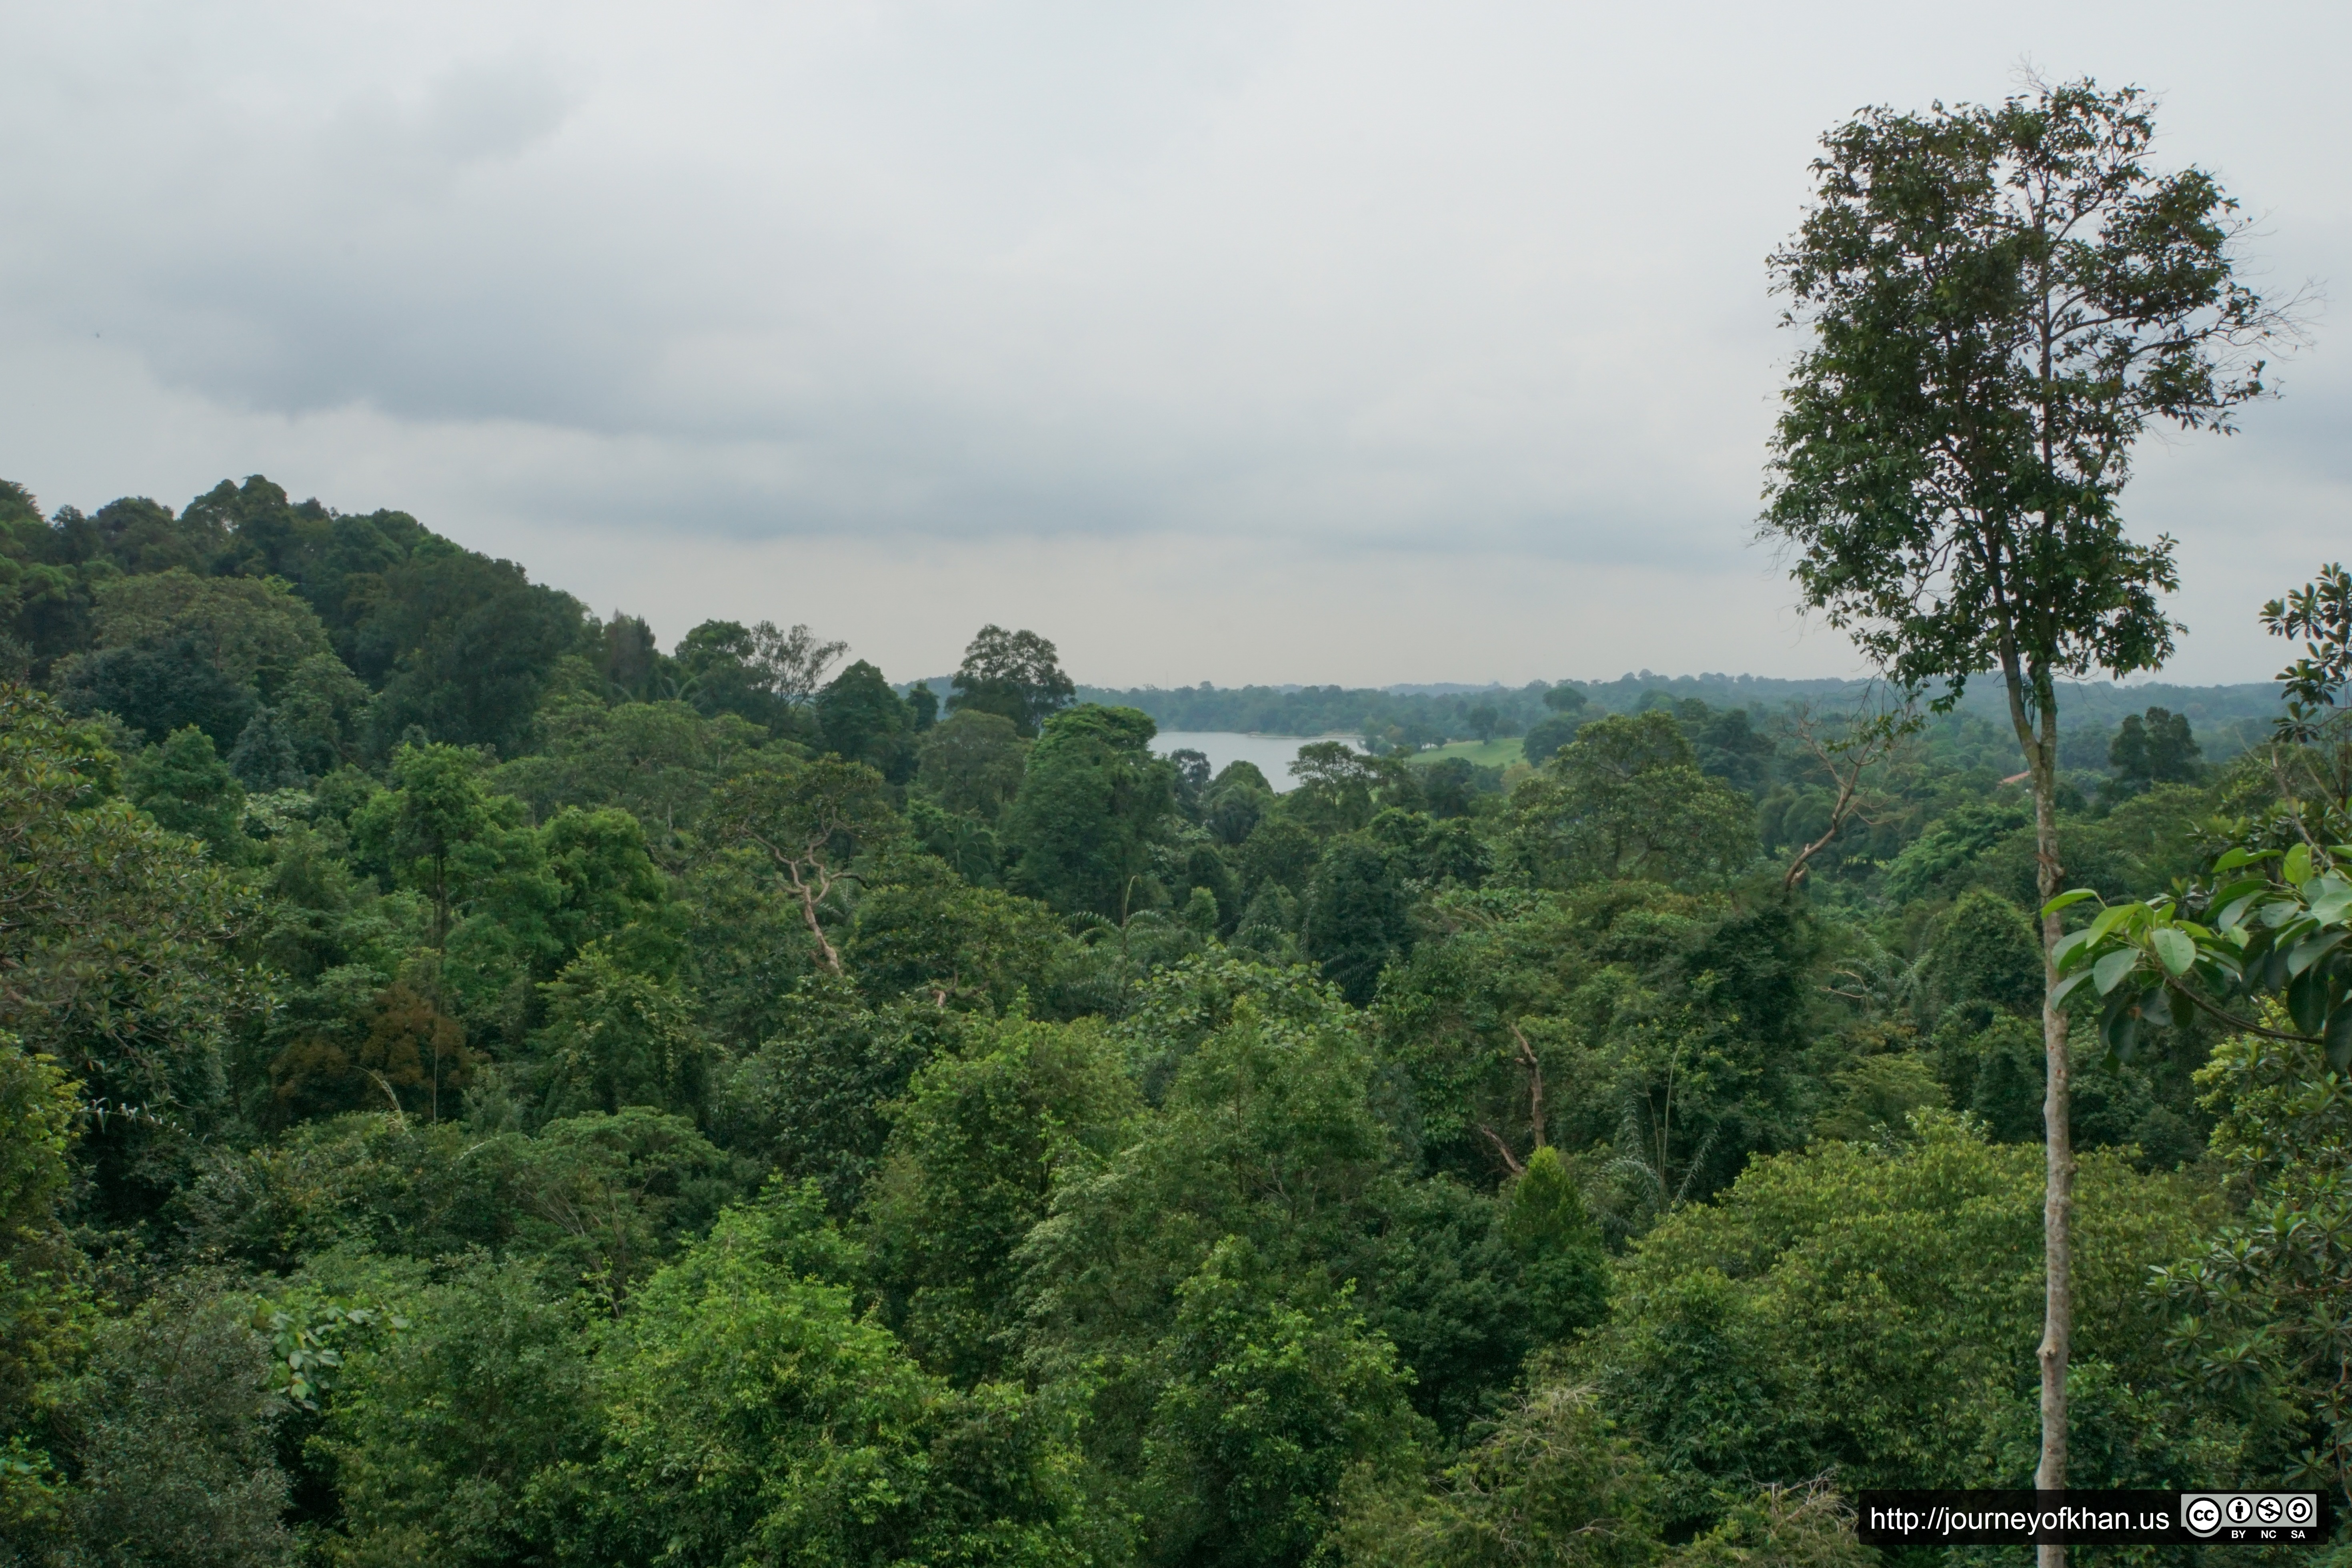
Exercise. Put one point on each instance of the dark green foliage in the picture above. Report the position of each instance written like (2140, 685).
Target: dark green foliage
(924, 934)
(1355, 920)
(1982, 959)
(435, 1437)
(156, 690)
(1467, 1286)
(1196, 998)
(1677, 1021)
(43, 1300)
(1546, 1225)
(421, 829)
(657, 761)
(1627, 800)
(1725, 742)
(861, 719)
(1452, 785)
(1092, 801)
(460, 645)
(718, 676)
(2264, 1304)
(263, 757)
(2156, 748)
(629, 660)
(1014, 675)
(969, 1166)
(1941, 859)
(1235, 802)
(592, 1201)
(253, 633)
(1280, 852)
(1552, 1483)
(184, 785)
(972, 762)
(1994, 1071)
(1876, 1310)
(114, 952)
(1564, 699)
(1269, 1396)
(1260, 1097)
(164, 1437)
(321, 712)
(465, 647)
(922, 706)
(616, 1036)
(804, 823)
(1432, 853)
(812, 1101)
(1339, 788)
(747, 1404)
(613, 1195)
(746, 949)
(1207, 871)
(1192, 779)
(1268, 1134)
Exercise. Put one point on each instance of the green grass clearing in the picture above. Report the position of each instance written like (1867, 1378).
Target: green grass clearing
(1485, 754)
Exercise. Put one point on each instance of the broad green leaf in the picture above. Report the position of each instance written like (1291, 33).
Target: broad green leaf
(2067, 987)
(2306, 1000)
(2297, 866)
(2234, 912)
(2109, 918)
(2241, 888)
(2119, 1027)
(2174, 949)
(2338, 1038)
(2312, 949)
(2330, 911)
(2110, 971)
(2067, 899)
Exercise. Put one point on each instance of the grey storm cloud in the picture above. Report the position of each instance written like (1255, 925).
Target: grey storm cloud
(1339, 284)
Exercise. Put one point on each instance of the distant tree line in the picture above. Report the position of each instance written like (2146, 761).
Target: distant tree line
(2230, 718)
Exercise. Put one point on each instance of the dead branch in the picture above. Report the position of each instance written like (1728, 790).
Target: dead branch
(1847, 759)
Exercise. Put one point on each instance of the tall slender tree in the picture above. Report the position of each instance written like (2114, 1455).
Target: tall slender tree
(2000, 300)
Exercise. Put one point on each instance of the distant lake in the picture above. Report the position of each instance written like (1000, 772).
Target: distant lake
(1272, 753)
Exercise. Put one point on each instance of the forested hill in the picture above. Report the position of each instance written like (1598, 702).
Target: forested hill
(2230, 718)
(477, 1087)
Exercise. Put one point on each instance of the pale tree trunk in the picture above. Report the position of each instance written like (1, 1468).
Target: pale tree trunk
(2057, 1124)
(827, 954)
(2041, 745)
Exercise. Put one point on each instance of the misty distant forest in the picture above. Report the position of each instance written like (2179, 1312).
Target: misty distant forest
(481, 1087)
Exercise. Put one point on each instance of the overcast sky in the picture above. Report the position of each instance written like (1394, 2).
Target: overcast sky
(1315, 342)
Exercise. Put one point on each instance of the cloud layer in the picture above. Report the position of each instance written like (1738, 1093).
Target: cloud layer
(1274, 340)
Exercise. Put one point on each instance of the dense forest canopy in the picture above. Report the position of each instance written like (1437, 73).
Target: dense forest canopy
(481, 1088)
